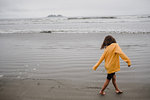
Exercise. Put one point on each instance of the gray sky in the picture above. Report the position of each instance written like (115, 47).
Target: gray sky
(42, 8)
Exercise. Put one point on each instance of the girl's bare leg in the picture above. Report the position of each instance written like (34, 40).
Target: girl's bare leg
(115, 84)
(104, 87)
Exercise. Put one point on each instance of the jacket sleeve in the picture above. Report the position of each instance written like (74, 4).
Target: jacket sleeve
(100, 61)
(122, 55)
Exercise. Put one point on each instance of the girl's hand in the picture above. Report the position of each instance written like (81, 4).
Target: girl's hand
(94, 68)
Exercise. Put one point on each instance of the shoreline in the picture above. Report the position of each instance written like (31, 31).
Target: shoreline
(59, 67)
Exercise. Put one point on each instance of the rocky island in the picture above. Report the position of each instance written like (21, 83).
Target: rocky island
(54, 16)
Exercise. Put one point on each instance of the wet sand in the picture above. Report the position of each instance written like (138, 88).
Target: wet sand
(52, 89)
(59, 66)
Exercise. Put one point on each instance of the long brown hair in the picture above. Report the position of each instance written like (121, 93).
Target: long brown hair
(107, 41)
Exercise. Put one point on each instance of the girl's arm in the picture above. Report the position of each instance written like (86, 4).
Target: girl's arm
(122, 55)
(99, 62)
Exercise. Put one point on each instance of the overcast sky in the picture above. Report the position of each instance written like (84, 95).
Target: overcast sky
(42, 8)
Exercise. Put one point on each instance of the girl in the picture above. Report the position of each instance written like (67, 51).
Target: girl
(112, 64)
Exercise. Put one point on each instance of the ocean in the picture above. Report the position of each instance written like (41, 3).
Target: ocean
(113, 24)
(58, 48)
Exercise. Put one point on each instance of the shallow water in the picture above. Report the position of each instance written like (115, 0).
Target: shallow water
(70, 56)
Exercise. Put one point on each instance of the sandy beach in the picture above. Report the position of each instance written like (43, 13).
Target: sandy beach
(58, 66)
(52, 89)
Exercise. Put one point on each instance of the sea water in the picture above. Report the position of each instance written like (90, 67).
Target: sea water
(45, 48)
(130, 24)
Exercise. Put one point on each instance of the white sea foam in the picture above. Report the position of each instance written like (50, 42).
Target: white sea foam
(77, 24)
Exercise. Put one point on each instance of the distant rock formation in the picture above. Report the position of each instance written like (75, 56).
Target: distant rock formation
(54, 16)
(46, 32)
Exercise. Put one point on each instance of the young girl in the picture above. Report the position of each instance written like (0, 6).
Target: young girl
(112, 64)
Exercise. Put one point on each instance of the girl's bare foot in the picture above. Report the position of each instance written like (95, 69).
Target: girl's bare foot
(118, 92)
(102, 92)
